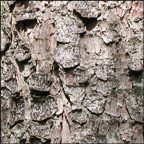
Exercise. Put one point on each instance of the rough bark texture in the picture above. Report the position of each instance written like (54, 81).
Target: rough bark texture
(71, 71)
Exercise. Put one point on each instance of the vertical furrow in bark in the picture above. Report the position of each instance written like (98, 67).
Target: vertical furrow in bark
(25, 93)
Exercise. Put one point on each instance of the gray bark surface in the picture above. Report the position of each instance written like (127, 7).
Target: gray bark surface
(71, 72)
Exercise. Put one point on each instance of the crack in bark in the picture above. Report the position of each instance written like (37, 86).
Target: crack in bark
(62, 43)
(56, 72)
(12, 7)
(127, 110)
(25, 92)
(6, 49)
(65, 121)
(23, 25)
(90, 23)
(19, 121)
(45, 120)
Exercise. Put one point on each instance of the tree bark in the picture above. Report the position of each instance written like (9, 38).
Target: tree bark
(72, 72)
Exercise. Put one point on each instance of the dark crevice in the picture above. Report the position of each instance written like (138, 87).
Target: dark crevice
(114, 69)
(18, 99)
(67, 97)
(24, 47)
(137, 122)
(95, 113)
(21, 3)
(61, 136)
(34, 68)
(57, 73)
(22, 141)
(23, 25)
(67, 70)
(12, 7)
(81, 124)
(37, 9)
(143, 131)
(4, 88)
(36, 93)
(61, 123)
(67, 122)
(46, 4)
(53, 24)
(136, 75)
(19, 121)
(127, 55)
(56, 69)
(77, 110)
(58, 43)
(110, 44)
(15, 100)
(118, 124)
(43, 12)
(26, 79)
(47, 141)
(35, 140)
(6, 49)
(85, 84)
(90, 23)
(43, 122)
(41, 100)
(102, 79)
(21, 64)
(82, 34)
(126, 142)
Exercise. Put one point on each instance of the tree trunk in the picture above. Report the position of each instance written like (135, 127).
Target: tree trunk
(71, 72)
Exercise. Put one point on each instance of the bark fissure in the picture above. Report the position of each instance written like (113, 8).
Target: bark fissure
(90, 23)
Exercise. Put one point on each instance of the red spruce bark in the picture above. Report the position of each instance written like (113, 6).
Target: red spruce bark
(71, 72)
